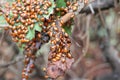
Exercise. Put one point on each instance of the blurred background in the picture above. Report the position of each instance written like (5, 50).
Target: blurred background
(95, 36)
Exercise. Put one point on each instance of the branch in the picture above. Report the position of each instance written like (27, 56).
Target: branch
(71, 13)
(102, 4)
(112, 55)
(93, 6)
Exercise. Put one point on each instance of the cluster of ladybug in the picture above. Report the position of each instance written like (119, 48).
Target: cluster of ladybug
(30, 50)
(23, 16)
(60, 43)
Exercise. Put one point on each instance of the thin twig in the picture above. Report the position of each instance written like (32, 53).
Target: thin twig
(91, 8)
(87, 42)
(95, 68)
(100, 14)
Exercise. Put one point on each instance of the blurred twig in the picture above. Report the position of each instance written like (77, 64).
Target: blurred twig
(100, 14)
(112, 55)
(11, 63)
(1, 39)
(86, 36)
(95, 68)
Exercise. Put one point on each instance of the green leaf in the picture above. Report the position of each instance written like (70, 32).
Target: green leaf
(37, 27)
(1, 30)
(2, 20)
(50, 10)
(67, 29)
(11, 14)
(21, 48)
(60, 3)
(31, 34)
(10, 1)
